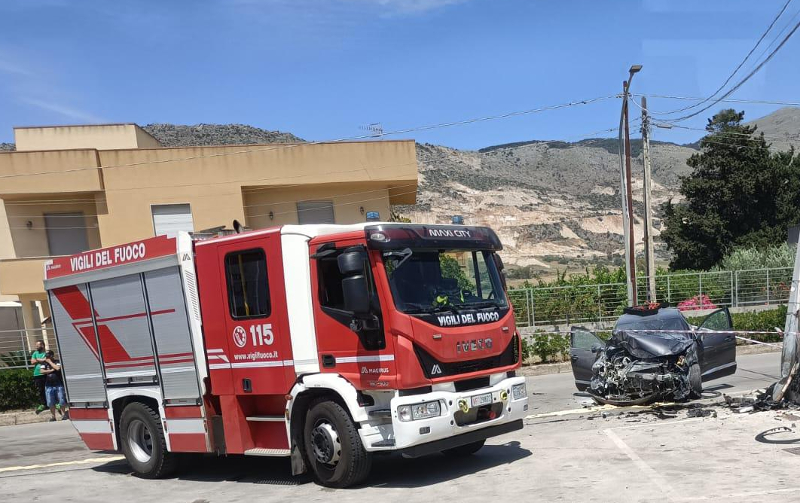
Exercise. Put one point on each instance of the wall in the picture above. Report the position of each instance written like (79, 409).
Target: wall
(102, 137)
(347, 201)
(33, 242)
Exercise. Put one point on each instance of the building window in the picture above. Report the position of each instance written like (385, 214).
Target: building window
(315, 212)
(248, 284)
(169, 219)
(66, 233)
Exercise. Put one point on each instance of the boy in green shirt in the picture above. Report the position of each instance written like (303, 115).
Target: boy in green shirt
(38, 357)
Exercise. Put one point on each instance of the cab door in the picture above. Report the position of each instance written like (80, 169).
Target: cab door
(259, 346)
(584, 347)
(718, 358)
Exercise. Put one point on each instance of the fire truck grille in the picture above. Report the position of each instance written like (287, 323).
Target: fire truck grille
(432, 368)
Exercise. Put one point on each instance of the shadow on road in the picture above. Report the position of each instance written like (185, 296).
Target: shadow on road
(387, 471)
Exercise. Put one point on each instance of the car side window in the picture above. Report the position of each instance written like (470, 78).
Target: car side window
(584, 339)
(248, 284)
(718, 320)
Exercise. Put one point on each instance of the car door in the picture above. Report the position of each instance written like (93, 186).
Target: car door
(718, 357)
(584, 347)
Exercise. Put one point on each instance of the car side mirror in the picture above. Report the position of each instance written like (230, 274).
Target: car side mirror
(596, 348)
(351, 262)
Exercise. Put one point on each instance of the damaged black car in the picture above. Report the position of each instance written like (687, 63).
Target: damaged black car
(654, 354)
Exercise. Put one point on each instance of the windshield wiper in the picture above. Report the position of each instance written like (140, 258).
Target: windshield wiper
(404, 255)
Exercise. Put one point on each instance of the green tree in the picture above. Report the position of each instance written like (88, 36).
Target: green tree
(738, 194)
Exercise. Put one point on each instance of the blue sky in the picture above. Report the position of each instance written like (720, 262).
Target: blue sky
(323, 69)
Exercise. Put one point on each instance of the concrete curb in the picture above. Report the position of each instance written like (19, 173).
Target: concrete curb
(12, 418)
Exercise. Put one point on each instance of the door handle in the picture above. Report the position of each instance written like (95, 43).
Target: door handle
(574, 358)
(728, 337)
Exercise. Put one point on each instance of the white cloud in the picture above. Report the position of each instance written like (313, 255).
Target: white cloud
(13, 68)
(66, 111)
(413, 6)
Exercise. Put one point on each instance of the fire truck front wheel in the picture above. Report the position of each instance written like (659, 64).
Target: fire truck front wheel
(333, 447)
(143, 442)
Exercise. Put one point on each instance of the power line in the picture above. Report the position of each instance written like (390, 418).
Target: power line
(427, 127)
(736, 70)
(729, 100)
(741, 82)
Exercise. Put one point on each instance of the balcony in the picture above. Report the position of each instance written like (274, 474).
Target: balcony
(22, 276)
(60, 172)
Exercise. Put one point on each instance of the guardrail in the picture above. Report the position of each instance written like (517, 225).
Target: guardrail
(16, 346)
(598, 303)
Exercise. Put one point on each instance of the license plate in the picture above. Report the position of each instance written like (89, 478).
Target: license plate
(479, 400)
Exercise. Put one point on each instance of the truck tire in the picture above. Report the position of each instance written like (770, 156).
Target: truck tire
(142, 441)
(333, 447)
(464, 450)
(695, 381)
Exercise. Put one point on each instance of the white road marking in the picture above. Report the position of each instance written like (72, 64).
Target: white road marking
(639, 462)
(62, 463)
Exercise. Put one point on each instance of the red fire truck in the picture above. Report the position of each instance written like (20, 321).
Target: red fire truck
(326, 344)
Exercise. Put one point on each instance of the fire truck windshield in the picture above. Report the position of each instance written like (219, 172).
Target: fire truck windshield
(424, 281)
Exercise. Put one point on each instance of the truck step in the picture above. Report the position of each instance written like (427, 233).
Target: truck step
(275, 419)
(267, 452)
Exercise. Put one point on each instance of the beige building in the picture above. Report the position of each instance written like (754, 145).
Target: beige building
(67, 189)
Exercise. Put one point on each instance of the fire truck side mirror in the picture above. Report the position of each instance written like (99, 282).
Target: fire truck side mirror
(354, 284)
(352, 262)
(356, 294)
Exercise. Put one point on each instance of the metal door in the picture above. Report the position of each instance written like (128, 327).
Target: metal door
(584, 347)
(718, 358)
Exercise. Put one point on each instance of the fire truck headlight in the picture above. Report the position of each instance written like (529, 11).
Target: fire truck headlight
(419, 411)
(518, 391)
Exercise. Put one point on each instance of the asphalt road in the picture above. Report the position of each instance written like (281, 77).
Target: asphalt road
(560, 455)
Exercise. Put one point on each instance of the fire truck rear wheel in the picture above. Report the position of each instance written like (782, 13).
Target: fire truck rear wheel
(143, 443)
(333, 447)
(464, 450)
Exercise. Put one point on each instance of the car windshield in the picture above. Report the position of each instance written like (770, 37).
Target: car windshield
(659, 321)
(431, 280)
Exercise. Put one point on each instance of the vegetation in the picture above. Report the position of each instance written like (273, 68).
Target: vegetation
(739, 194)
(16, 389)
(14, 358)
(750, 257)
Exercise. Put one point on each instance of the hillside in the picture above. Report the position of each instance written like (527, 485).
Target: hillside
(171, 135)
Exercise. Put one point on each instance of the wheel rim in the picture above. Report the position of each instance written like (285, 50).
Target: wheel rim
(325, 443)
(140, 441)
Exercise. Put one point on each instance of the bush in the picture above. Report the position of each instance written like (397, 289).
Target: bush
(16, 389)
(547, 347)
(742, 259)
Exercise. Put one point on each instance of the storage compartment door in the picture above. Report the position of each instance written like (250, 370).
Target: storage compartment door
(124, 333)
(173, 339)
(77, 345)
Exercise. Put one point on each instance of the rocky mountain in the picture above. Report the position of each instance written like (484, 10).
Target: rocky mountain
(781, 128)
(7, 147)
(171, 135)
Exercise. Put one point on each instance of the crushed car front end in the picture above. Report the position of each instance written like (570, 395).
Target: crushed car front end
(638, 367)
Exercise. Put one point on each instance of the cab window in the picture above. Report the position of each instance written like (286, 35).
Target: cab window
(248, 284)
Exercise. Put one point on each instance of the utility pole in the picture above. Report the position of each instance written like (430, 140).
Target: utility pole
(649, 256)
(625, 189)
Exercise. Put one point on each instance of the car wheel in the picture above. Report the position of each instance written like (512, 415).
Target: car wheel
(464, 450)
(333, 446)
(143, 442)
(695, 381)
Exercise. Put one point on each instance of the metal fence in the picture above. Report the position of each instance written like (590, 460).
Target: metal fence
(16, 346)
(598, 303)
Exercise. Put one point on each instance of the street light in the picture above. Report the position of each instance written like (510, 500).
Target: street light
(625, 184)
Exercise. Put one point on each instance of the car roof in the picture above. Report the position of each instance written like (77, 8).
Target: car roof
(665, 313)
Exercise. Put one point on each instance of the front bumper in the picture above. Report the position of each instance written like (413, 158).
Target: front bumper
(443, 432)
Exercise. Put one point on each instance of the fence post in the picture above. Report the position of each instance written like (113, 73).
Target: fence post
(736, 288)
(669, 290)
(23, 338)
(531, 315)
(599, 304)
(731, 273)
(700, 288)
(767, 286)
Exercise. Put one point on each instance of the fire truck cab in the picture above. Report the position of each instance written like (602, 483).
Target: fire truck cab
(327, 344)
